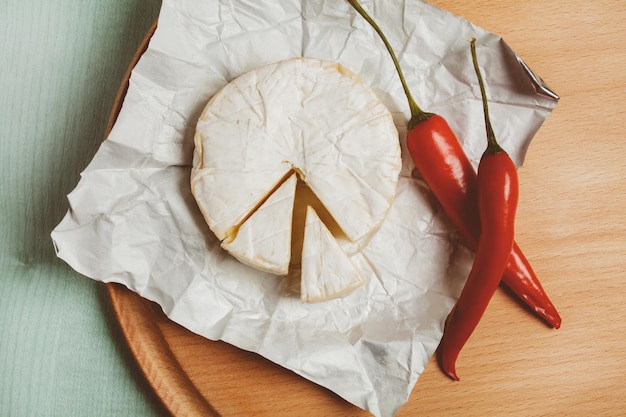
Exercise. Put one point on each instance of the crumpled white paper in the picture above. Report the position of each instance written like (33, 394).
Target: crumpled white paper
(132, 218)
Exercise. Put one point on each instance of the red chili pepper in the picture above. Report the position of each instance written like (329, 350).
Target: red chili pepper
(497, 198)
(498, 192)
(444, 166)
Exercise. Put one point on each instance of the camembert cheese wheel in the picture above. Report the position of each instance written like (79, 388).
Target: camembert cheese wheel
(299, 124)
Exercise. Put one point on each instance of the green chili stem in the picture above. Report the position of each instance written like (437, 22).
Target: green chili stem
(492, 143)
(417, 114)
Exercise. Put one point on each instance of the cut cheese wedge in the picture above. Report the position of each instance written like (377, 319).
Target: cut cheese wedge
(302, 116)
(327, 272)
(265, 236)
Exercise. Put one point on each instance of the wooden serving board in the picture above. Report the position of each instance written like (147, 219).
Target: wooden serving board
(571, 223)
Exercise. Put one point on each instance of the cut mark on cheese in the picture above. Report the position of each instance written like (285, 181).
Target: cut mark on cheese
(305, 200)
(232, 232)
(270, 250)
(291, 198)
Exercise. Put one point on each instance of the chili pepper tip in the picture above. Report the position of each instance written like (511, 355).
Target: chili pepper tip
(551, 317)
(452, 375)
(446, 365)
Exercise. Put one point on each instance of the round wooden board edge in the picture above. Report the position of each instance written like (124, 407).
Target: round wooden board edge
(138, 322)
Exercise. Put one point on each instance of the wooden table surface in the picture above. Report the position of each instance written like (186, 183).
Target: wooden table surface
(571, 223)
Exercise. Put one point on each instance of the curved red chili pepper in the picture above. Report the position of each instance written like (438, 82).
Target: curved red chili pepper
(498, 191)
(497, 199)
(443, 164)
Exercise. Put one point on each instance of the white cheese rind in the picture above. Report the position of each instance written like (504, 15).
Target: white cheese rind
(327, 272)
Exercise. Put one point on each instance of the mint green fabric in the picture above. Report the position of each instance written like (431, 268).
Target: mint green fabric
(61, 352)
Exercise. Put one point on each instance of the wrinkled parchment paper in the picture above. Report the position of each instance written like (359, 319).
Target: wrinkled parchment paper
(132, 218)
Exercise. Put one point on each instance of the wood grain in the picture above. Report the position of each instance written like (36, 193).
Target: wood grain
(571, 224)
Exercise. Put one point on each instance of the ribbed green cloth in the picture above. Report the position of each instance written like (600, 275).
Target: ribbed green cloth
(61, 63)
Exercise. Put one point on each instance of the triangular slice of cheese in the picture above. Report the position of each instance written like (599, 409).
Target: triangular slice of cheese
(327, 272)
(263, 240)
